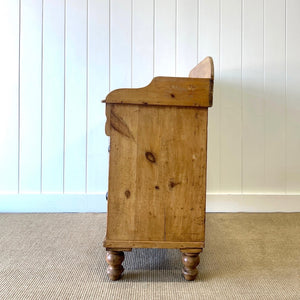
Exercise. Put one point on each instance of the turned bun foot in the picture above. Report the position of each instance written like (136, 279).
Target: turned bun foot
(190, 262)
(114, 260)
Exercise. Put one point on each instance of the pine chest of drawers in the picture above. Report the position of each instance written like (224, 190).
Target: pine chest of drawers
(157, 167)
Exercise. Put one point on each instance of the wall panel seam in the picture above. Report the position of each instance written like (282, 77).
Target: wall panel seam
(242, 96)
(220, 96)
(87, 96)
(64, 133)
(19, 96)
(285, 99)
(264, 90)
(260, 99)
(197, 54)
(42, 96)
(154, 25)
(109, 45)
(176, 32)
(131, 42)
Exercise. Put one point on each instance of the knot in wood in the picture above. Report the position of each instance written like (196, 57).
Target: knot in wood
(172, 184)
(150, 157)
(127, 194)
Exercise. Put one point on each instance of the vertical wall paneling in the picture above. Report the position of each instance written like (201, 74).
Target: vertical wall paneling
(274, 58)
(75, 96)
(293, 96)
(53, 96)
(187, 32)
(60, 58)
(253, 97)
(9, 74)
(98, 87)
(142, 42)
(120, 43)
(164, 37)
(209, 45)
(30, 96)
(230, 97)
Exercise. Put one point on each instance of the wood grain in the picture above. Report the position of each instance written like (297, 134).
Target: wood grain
(191, 247)
(175, 91)
(157, 179)
(157, 168)
(122, 172)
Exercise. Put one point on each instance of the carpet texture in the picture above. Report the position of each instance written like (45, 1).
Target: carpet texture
(60, 256)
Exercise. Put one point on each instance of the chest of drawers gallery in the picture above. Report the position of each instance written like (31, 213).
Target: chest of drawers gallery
(157, 167)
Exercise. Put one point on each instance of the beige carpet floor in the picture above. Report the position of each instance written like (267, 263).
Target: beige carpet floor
(60, 256)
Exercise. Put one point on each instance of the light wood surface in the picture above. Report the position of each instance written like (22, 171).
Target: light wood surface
(129, 244)
(157, 167)
(157, 176)
(205, 69)
(174, 91)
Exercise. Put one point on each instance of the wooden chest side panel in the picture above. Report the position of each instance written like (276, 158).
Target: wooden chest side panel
(184, 173)
(122, 125)
(157, 180)
(150, 206)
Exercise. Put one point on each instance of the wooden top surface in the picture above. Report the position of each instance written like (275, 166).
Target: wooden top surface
(195, 90)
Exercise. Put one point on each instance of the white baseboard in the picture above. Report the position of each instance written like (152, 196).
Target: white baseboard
(28, 203)
(252, 203)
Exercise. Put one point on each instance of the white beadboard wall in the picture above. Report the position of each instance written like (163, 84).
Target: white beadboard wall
(59, 59)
